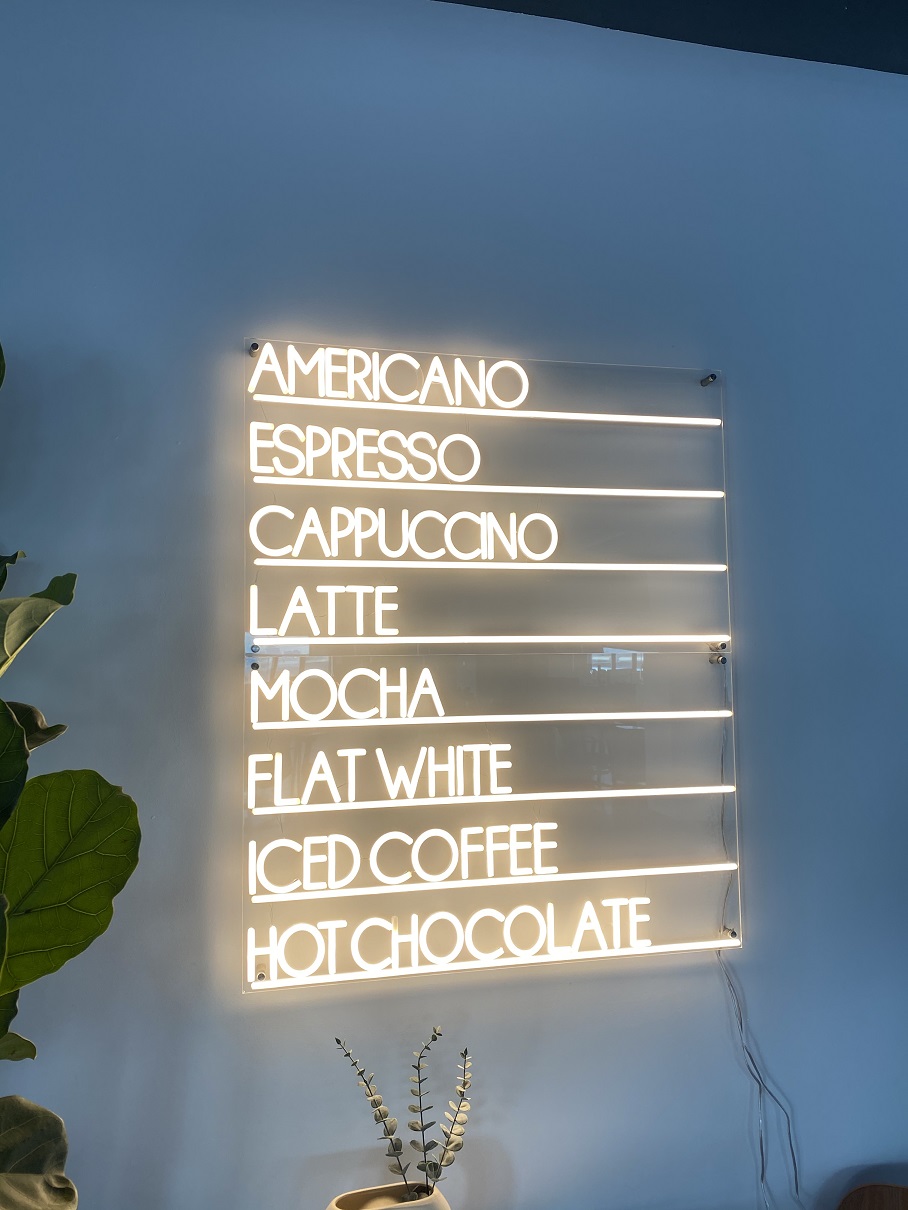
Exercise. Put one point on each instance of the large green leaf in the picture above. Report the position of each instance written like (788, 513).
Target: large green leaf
(6, 561)
(36, 727)
(13, 761)
(21, 617)
(66, 852)
(32, 1158)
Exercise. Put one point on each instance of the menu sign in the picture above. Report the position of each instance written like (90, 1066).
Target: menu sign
(487, 713)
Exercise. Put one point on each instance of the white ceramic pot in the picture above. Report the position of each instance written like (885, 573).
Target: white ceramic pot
(380, 1196)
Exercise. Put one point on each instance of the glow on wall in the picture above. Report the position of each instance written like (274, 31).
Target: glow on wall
(487, 721)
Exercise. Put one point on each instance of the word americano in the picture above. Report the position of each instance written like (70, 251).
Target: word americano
(338, 373)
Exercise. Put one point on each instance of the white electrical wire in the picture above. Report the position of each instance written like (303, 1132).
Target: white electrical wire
(750, 1060)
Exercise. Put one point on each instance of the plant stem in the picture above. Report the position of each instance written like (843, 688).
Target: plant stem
(422, 1119)
(370, 1093)
(463, 1097)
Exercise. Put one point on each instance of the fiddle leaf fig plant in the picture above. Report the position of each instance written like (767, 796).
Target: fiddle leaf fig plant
(436, 1155)
(68, 843)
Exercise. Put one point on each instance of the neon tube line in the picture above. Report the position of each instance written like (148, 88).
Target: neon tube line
(624, 640)
(473, 965)
(422, 564)
(514, 880)
(583, 417)
(659, 493)
(484, 799)
(438, 720)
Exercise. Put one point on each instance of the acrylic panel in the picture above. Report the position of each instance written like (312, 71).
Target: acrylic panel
(488, 704)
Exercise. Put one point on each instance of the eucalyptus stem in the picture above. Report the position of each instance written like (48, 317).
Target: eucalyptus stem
(388, 1124)
(423, 1126)
(463, 1089)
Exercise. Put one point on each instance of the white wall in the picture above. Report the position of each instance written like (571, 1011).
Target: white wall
(177, 176)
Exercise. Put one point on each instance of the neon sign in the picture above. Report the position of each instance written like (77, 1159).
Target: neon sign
(447, 771)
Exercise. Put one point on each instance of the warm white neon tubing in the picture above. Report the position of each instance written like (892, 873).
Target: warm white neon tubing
(583, 417)
(396, 485)
(679, 947)
(490, 566)
(467, 640)
(418, 720)
(483, 799)
(520, 880)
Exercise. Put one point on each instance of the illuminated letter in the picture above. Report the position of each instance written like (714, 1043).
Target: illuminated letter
(351, 754)
(294, 452)
(294, 362)
(398, 938)
(482, 955)
(343, 443)
(338, 530)
(388, 879)
(279, 800)
(589, 923)
(372, 922)
(331, 927)
(465, 555)
(524, 384)
(254, 627)
(441, 959)
(383, 376)
(524, 910)
(370, 675)
(515, 845)
(494, 846)
(253, 951)
(330, 370)
(272, 552)
(381, 608)
(509, 540)
(466, 849)
(400, 781)
(477, 388)
(425, 686)
(436, 374)
(616, 905)
(268, 361)
(495, 764)
(358, 376)
(417, 849)
(310, 674)
(635, 919)
(255, 776)
(296, 972)
(463, 439)
(417, 520)
(320, 772)
(435, 768)
(539, 845)
(258, 685)
(256, 444)
(334, 840)
(275, 888)
(553, 539)
(299, 603)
